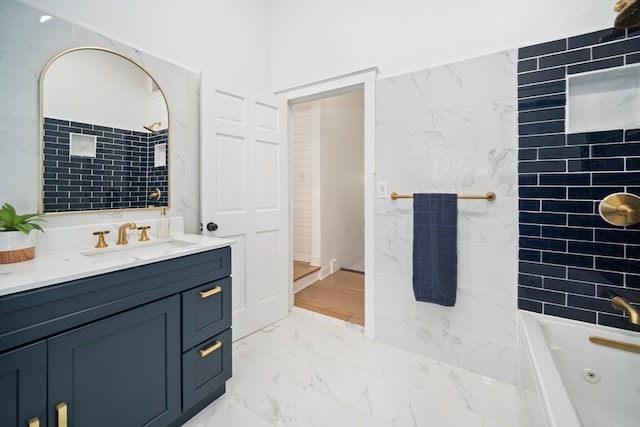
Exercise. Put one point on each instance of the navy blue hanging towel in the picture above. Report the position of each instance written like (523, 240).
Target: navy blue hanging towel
(435, 249)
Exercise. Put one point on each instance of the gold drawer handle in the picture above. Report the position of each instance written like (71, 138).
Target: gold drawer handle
(206, 294)
(34, 422)
(61, 409)
(214, 347)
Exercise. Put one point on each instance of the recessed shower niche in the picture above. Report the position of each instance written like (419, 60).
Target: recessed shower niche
(602, 100)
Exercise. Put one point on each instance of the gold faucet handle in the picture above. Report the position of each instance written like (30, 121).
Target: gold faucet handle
(156, 194)
(143, 233)
(101, 243)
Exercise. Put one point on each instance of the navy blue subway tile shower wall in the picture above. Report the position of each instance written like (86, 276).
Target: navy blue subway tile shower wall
(569, 255)
(121, 175)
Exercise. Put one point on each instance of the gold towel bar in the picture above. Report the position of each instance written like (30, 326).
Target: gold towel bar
(489, 196)
(620, 345)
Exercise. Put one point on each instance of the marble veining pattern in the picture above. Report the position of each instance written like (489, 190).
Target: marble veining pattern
(306, 370)
(453, 129)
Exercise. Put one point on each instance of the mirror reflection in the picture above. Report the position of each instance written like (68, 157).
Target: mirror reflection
(105, 134)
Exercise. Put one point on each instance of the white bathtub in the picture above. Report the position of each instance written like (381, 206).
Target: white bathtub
(567, 381)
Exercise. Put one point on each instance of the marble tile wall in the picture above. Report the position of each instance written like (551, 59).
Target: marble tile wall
(26, 45)
(451, 128)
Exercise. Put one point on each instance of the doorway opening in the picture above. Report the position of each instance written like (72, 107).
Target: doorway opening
(327, 138)
(358, 80)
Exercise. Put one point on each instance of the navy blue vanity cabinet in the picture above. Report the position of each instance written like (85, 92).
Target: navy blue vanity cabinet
(23, 386)
(144, 346)
(120, 371)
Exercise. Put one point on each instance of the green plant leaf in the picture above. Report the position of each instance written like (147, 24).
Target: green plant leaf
(11, 221)
(25, 228)
(35, 216)
(37, 227)
(9, 209)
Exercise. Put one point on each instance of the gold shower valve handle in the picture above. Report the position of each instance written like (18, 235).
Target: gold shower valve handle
(156, 194)
(629, 211)
(620, 209)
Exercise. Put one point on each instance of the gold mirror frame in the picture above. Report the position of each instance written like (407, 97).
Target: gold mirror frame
(41, 135)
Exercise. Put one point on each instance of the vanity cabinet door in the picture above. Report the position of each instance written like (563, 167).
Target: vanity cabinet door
(23, 386)
(120, 371)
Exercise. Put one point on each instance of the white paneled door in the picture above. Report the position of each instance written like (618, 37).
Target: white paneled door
(244, 198)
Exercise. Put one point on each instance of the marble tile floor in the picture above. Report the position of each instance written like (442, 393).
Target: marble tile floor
(310, 370)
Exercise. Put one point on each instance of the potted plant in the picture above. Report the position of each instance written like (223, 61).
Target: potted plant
(17, 240)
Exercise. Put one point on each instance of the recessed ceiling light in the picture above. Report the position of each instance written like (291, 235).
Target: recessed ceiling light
(45, 18)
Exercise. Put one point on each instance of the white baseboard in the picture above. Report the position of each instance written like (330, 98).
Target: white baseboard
(328, 270)
(321, 274)
(305, 281)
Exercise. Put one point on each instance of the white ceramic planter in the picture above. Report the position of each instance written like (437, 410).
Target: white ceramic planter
(15, 246)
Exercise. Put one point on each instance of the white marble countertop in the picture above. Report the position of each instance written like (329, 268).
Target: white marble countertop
(62, 265)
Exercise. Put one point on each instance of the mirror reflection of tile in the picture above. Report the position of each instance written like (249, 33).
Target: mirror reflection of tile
(120, 171)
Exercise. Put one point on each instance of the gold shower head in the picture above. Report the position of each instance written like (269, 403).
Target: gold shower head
(151, 126)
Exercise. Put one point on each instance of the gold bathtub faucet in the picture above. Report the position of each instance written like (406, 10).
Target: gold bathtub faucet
(622, 304)
(122, 232)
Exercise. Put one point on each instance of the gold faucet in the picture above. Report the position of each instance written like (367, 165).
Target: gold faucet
(122, 232)
(622, 304)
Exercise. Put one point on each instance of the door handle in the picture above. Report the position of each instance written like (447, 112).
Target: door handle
(34, 422)
(61, 409)
(212, 226)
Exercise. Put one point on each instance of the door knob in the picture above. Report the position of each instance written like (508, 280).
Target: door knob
(212, 226)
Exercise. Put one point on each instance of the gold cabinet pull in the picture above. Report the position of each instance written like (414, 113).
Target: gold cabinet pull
(34, 422)
(207, 294)
(61, 409)
(207, 351)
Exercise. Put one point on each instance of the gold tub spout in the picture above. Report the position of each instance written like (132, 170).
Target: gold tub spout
(122, 232)
(624, 305)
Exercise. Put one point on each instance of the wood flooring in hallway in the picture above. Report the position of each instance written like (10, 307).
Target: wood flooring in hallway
(302, 269)
(340, 295)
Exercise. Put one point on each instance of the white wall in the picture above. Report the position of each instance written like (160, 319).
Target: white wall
(227, 39)
(303, 126)
(311, 41)
(342, 179)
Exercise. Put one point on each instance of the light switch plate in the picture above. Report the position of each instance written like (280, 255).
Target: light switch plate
(382, 190)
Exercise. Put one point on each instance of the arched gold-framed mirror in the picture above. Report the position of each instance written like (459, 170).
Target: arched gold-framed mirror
(104, 134)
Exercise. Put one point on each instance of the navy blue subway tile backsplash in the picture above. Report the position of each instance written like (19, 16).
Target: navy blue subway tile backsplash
(568, 255)
(121, 175)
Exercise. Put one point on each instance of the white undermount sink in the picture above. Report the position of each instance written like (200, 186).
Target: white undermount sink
(138, 250)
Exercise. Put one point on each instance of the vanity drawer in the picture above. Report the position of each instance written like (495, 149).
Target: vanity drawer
(206, 311)
(205, 368)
